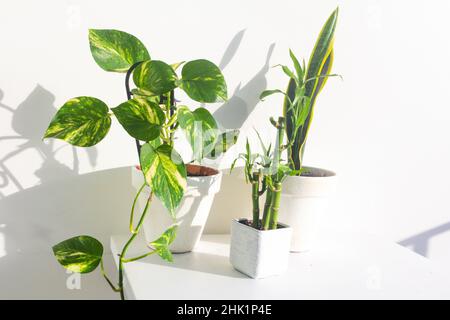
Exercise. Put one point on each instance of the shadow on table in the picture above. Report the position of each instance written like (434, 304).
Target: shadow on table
(420, 243)
(33, 220)
(201, 262)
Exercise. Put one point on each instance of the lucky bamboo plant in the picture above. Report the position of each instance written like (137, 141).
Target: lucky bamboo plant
(305, 83)
(266, 171)
(151, 116)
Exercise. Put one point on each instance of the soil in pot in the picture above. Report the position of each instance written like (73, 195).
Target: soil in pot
(194, 170)
(249, 223)
(317, 173)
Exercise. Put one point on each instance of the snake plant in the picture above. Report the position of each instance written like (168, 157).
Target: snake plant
(150, 116)
(305, 84)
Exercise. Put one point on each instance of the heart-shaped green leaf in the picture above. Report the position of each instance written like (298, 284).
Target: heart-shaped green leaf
(82, 122)
(155, 77)
(161, 245)
(200, 129)
(203, 81)
(165, 173)
(80, 254)
(141, 118)
(115, 50)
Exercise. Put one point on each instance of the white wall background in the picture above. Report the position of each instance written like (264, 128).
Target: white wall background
(384, 129)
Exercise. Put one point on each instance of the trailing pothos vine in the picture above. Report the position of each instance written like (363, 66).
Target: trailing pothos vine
(151, 116)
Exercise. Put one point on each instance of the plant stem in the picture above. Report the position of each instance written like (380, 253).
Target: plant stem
(132, 230)
(266, 213)
(138, 257)
(274, 206)
(128, 91)
(102, 269)
(130, 240)
(255, 198)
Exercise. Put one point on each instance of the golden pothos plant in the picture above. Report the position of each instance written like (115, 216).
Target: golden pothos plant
(151, 116)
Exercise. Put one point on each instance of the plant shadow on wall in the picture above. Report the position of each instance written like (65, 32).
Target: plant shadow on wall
(31, 217)
(27, 121)
(233, 113)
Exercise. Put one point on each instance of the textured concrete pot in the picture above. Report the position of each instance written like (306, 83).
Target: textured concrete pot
(303, 200)
(191, 214)
(259, 253)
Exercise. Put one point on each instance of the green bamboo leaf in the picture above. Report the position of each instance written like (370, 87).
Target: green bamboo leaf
(298, 69)
(141, 118)
(82, 122)
(200, 129)
(165, 173)
(289, 72)
(161, 245)
(203, 81)
(267, 93)
(155, 77)
(115, 50)
(80, 254)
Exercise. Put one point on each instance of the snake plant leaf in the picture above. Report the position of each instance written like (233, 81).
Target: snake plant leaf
(155, 77)
(161, 245)
(224, 142)
(141, 118)
(82, 122)
(203, 81)
(319, 66)
(81, 254)
(115, 50)
(165, 173)
(200, 129)
(322, 55)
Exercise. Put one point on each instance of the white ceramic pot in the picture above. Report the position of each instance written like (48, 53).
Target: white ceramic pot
(259, 253)
(303, 199)
(191, 214)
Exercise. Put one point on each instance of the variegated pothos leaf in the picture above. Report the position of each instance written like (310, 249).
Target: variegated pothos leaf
(81, 121)
(165, 173)
(115, 50)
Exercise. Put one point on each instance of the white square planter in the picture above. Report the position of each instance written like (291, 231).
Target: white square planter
(259, 253)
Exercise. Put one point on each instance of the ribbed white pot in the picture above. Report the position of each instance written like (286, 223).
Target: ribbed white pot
(303, 200)
(259, 253)
(191, 215)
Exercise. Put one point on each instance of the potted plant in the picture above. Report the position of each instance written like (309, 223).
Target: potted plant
(150, 116)
(305, 195)
(260, 247)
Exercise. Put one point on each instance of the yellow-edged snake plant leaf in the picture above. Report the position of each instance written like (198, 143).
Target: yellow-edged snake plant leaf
(165, 173)
(319, 66)
(81, 121)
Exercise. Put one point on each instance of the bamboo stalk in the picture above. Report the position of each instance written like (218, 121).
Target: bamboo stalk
(255, 197)
(274, 206)
(266, 214)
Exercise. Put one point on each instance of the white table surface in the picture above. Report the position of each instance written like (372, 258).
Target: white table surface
(342, 266)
